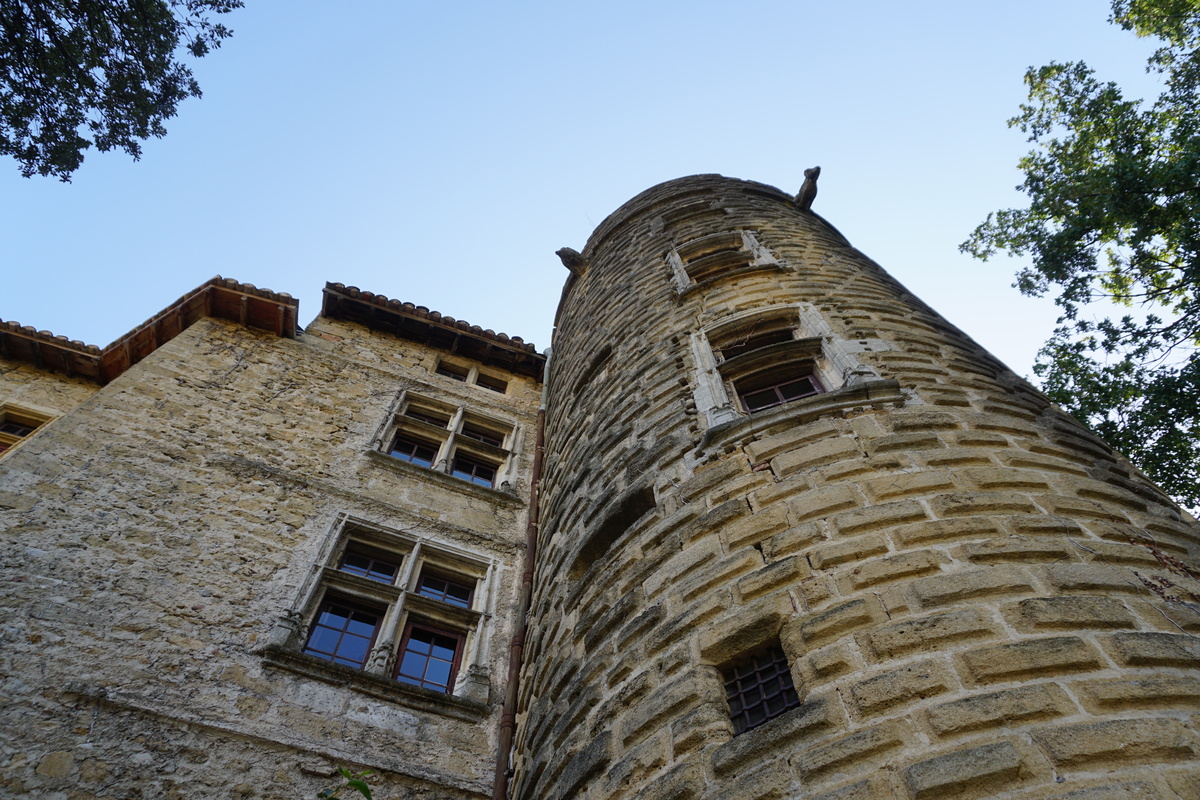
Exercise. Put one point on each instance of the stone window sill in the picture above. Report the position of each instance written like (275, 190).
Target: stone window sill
(866, 395)
(506, 497)
(415, 697)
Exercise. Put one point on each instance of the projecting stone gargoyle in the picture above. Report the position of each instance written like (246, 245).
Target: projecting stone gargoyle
(808, 192)
(572, 260)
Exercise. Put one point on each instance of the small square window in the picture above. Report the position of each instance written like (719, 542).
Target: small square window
(344, 632)
(429, 658)
(484, 435)
(448, 591)
(452, 371)
(477, 472)
(759, 689)
(428, 417)
(414, 451)
(358, 562)
(488, 382)
(18, 424)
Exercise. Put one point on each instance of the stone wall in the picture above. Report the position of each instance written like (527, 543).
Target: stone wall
(159, 530)
(975, 596)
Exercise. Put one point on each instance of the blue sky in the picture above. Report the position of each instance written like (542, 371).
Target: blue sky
(441, 153)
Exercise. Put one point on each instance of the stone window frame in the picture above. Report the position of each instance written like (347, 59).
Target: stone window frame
(706, 259)
(810, 346)
(15, 415)
(414, 417)
(402, 606)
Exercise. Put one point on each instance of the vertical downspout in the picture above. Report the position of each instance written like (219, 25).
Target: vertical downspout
(508, 717)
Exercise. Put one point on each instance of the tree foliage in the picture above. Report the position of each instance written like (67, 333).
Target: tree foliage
(81, 73)
(1114, 215)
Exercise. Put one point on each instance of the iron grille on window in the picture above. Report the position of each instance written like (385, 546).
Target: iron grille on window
(759, 689)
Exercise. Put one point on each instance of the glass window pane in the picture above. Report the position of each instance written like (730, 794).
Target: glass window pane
(438, 673)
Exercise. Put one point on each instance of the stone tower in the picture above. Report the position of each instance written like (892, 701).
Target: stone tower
(801, 537)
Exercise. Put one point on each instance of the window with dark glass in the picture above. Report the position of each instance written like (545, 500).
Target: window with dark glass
(17, 424)
(370, 566)
(489, 382)
(430, 417)
(429, 658)
(414, 451)
(472, 431)
(448, 591)
(759, 688)
(452, 371)
(775, 388)
(344, 632)
(477, 472)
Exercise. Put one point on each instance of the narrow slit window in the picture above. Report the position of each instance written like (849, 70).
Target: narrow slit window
(760, 393)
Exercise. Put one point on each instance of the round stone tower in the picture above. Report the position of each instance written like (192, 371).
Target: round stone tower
(801, 537)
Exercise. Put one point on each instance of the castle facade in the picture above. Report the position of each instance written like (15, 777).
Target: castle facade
(761, 525)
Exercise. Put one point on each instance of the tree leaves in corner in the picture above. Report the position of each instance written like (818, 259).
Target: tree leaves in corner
(1114, 214)
(76, 74)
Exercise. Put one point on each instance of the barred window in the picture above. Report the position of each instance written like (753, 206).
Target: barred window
(759, 688)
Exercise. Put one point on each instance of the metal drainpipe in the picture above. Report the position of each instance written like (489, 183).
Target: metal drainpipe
(508, 717)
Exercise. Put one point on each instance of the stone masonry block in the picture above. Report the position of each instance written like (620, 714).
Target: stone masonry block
(888, 487)
(954, 587)
(1103, 696)
(964, 504)
(768, 448)
(585, 765)
(751, 530)
(1018, 548)
(884, 515)
(720, 573)
(816, 454)
(932, 632)
(793, 540)
(743, 630)
(772, 782)
(992, 766)
(906, 442)
(1154, 650)
(703, 725)
(838, 620)
(1053, 656)
(1069, 613)
(890, 568)
(1115, 741)
(1091, 577)
(822, 664)
(699, 685)
(944, 530)
(799, 725)
(875, 788)
(993, 478)
(1008, 708)
(683, 782)
(853, 753)
(682, 563)
(843, 552)
(711, 475)
(901, 686)
(821, 503)
(773, 576)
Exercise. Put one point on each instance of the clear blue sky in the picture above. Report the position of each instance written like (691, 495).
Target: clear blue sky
(440, 153)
